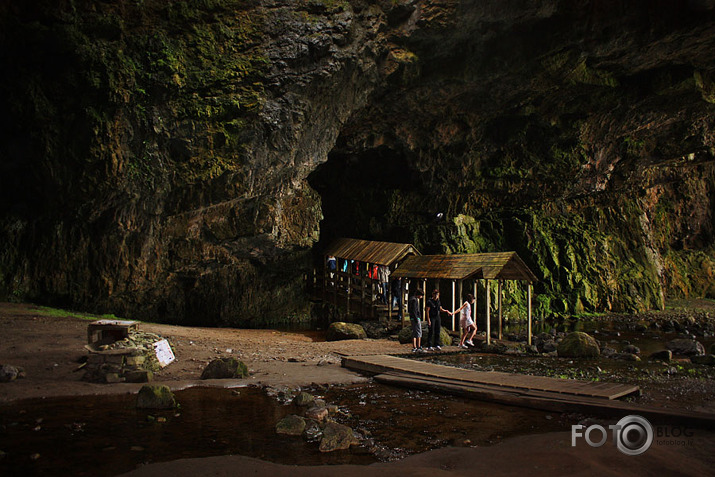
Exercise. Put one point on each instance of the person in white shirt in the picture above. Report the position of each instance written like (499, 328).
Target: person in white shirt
(469, 328)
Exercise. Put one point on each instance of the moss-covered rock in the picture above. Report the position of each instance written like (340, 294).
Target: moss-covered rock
(405, 334)
(578, 345)
(345, 331)
(291, 425)
(155, 397)
(336, 437)
(225, 368)
(303, 399)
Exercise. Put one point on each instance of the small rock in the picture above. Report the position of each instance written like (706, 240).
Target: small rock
(626, 357)
(138, 376)
(664, 355)
(10, 373)
(312, 432)
(708, 359)
(632, 349)
(303, 399)
(112, 378)
(608, 351)
(317, 413)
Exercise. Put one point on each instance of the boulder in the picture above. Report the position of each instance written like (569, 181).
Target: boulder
(663, 355)
(375, 330)
(155, 397)
(444, 337)
(686, 347)
(339, 331)
(708, 359)
(303, 399)
(578, 345)
(225, 368)
(291, 425)
(9, 373)
(405, 335)
(336, 437)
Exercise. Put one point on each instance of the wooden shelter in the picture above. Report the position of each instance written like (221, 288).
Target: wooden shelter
(350, 279)
(497, 266)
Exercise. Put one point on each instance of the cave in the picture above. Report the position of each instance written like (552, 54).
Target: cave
(358, 190)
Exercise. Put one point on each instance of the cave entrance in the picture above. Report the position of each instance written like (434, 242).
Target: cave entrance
(359, 192)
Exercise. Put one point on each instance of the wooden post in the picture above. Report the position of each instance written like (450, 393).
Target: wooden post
(453, 307)
(349, 290)
(499, 285)
(489, 301)
(336, 282)
(460, 297)
(424, 299)
(362, 289)
(474, 293)
(405, 300)
(528, 312)
(388, 294)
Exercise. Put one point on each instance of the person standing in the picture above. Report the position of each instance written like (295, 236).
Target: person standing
(396, 296)
(469, 328)
(434, 321)
(415, 311)
(383, 274)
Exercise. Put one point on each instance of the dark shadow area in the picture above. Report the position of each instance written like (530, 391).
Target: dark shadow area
(358, 193)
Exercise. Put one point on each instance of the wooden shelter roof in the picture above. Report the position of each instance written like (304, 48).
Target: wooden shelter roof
(498, 265)
(380, 253)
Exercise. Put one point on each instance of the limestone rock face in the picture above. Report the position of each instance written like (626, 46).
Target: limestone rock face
(345, 331)
(187, 163)
(578, 345)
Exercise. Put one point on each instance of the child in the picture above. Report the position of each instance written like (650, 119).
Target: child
(466, 322)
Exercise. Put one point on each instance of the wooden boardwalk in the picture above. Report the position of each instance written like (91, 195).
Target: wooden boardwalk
(536, 392)
(380, 364)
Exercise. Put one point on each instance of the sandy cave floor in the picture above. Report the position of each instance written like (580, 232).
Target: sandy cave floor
(49, 349)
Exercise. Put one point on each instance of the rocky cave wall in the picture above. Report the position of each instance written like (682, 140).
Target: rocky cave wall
(180, 161)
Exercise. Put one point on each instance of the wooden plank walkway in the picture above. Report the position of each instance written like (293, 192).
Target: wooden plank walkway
(379, 364)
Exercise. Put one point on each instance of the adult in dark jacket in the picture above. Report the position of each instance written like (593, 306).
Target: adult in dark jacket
(434, 321)
(415, 311)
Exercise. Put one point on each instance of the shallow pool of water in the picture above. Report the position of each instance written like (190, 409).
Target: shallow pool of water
(107, 435)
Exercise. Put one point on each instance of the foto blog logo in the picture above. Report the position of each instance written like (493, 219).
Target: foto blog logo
(632, 435)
